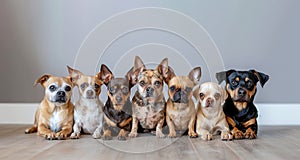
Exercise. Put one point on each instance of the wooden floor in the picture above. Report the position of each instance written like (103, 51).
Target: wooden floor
(274, 142)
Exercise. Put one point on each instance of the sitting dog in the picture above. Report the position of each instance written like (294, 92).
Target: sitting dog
(117, 109)
(210, 116)
(148, 103)
(181, 112)
(88, 114)
(239, 109)
(54, 116)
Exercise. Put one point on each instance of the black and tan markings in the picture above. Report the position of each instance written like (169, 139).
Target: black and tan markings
(239, 109)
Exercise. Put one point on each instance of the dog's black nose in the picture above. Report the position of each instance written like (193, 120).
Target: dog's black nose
(61, 93)
(241, 92)
(119, 99)
(89, 93)
(149, 90)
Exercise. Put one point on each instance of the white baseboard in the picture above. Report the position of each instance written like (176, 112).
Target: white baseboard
(269, 114)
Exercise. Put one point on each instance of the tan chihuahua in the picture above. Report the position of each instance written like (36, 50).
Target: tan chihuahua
(88, 114)
(181, 112)
(54, 116)
(210, 116)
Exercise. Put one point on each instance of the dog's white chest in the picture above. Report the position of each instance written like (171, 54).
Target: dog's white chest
(55, 121)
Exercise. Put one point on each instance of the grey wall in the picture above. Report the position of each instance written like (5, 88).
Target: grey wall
(43, 36)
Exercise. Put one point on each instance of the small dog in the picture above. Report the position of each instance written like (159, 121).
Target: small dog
(148, 103)
(54, 116)
(88, 114)
(239, 109)
(181, 112)
(117, 109)
(210, 116)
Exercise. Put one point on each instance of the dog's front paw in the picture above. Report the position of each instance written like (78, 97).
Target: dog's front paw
(50, 136)
(237, 134)
(159, 134)
(193, 135)
(61, 135)
(172, 134)
(225, 136)
(249, 134)
(122, 135)
(107, 135)
(96, 134)
(207, 136)
(132, 134)
(75, 135)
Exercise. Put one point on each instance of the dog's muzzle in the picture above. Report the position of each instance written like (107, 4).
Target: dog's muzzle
(60, 97)
(149, 92)
(180, 97)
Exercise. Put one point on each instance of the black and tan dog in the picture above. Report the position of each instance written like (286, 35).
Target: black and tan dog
(117, 109)
(239, 109)
(148, 103)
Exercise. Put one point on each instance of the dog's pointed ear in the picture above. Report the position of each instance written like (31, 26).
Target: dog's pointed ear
(138, 64)
(221, 76)
(131, 75)
(74, 74)
(263, 78)
(42, 79)
(165, 70)
(105, 74)
(195, 75)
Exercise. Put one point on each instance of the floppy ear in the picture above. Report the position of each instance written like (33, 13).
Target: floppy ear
(74, 74)
(105, 74)
(165, 70)
(195, 75)
(263, 78)
(221, 76)
(42, 79)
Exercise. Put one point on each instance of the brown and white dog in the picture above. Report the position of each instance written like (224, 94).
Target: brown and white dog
(88, 114)
(210, 116)
(148, 103)
(54, 116)
(181, 112)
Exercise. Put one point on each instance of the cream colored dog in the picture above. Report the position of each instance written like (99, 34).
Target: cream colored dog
(210, 116)
(88, 113)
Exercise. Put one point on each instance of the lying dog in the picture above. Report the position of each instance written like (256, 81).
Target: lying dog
(210, 116)
(239, 109)
(117, 109)
(181, 112)
(88, 114)
(148, 103)
(54, 116)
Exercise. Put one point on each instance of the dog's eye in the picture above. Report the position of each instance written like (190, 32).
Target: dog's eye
(142, 83)
(157, 83)
(97, 86)
(125, 90)
(83, 85)
(249, 84)
(201, 95)
(112, 90)
(188, 89)
(234, 83)
(52, 88)
(217, 96)
(172, 88)
(67, 88)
